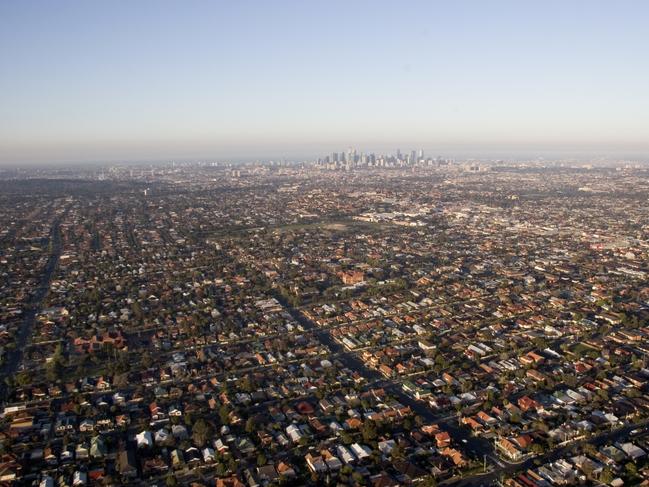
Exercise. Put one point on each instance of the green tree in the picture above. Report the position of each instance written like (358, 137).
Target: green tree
(398, 452)
(224, 414)
(631, 469)
(607, 476)
(250, 425)
(369, 431)
(54, 370)
(23, 378)
(537, 448)
(201, 432)
(261, 460)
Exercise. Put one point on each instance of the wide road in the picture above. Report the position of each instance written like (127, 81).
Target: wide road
(479, 448)
(474, 446)
(32, 309)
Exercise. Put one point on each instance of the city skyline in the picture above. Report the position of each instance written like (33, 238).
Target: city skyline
(91, 82)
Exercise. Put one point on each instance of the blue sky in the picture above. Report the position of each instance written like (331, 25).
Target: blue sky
(145, 80)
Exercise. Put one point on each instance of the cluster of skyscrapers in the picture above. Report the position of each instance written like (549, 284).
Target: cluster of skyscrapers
(351, 158)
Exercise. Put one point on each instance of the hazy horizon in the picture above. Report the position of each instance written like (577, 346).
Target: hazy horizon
(122, 81)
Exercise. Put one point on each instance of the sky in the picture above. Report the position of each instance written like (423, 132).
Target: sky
(89, 81)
